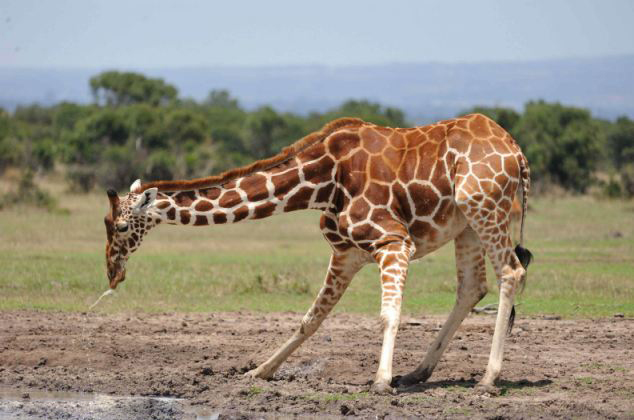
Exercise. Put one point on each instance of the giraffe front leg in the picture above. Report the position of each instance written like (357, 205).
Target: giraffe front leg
(340, 272)
(393, 260)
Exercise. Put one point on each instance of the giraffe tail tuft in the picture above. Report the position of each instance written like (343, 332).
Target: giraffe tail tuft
(525, 257)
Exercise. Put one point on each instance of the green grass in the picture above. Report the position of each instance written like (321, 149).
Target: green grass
(55, 261)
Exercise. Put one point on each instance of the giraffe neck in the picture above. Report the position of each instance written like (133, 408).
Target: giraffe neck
(291, 186)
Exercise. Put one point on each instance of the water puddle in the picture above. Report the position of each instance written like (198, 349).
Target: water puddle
(36, 404)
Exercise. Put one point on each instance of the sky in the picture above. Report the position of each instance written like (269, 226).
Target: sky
(186, 33)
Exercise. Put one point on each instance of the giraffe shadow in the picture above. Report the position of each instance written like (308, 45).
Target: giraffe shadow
(461, 384)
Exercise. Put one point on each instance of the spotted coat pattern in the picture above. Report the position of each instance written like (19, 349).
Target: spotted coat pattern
(388, 196)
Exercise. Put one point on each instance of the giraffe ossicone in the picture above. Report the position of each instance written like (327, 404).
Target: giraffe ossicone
(387, 196)
(135, 185)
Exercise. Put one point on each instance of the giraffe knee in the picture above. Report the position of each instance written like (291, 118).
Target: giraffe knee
(390, 317)
(511, 279)
(309, 324)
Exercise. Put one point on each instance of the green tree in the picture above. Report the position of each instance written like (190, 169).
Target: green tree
(66, 115)
(262, 127)
(221, 99)
(34, 115)
(94, 134)
(562, 144)
(146, 124)
(185, 128)
(9, 154)
(124, 88)
(368, 111)
(621, 142)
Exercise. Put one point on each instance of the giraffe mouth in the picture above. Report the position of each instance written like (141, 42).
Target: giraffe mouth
(116, 277)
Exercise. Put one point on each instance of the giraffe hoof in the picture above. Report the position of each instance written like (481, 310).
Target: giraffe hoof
(396, 381)
(487, 390)
(382, 388)
(405, 381)
(258, 373)
(411, 378)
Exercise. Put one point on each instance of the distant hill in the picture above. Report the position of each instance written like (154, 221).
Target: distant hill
(424, 91)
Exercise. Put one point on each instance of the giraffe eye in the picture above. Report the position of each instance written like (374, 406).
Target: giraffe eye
(122, 227)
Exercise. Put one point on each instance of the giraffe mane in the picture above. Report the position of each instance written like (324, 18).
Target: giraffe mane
(260, 165)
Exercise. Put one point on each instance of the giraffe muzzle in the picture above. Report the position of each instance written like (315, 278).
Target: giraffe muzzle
(116, 278)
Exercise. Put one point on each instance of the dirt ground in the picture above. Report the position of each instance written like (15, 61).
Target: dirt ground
(74, 365)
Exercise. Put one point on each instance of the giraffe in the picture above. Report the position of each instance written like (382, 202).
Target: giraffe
(387, 196)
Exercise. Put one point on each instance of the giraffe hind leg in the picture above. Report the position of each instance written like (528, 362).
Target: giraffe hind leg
(472, 287)
(483, 213)
(341, 270)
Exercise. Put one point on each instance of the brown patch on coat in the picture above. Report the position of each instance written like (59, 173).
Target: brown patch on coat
(203, 206)
(219, 218)
(201, 220)
(264, 210)
(240, 213)
(229, 199)
(185, 216)
(255, 187)
(300, 199)
(372, 141)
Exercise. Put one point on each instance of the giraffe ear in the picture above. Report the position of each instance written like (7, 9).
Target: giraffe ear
(135, 185)
(145, 200)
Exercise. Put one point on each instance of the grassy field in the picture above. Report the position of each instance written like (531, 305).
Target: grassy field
(584, 264)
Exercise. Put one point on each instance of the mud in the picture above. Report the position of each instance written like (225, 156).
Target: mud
(191, 365)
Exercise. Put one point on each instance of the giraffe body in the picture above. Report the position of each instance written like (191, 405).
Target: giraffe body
(387, 195)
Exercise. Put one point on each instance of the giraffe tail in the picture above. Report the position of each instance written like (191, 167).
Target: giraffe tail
(525, 186)
(523, 254)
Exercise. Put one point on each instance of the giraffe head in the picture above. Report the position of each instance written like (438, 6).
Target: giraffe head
(127, 223)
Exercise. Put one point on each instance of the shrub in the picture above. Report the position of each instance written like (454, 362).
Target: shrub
(81, 178)
(30, 194)
(118, 167)
(160, 165)
(627, 180)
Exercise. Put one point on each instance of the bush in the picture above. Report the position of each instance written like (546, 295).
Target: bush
(562, 144)
(621, 141)
(82, 178)
(9, 153)
(30, 194)
(44, 154)
(118, 167)
(160, 165)
(612, 189)
(627, 180)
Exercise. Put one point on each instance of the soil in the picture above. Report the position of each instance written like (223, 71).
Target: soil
(184, 365)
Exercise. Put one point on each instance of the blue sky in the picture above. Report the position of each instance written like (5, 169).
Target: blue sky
(141, 33)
